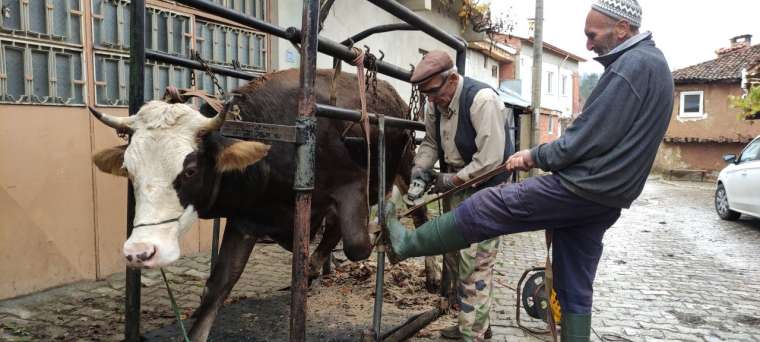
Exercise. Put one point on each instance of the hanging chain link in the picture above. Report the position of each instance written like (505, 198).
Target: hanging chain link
(207, 69)
(370, 75)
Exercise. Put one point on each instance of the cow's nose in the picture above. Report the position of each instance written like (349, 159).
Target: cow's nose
(138, 253)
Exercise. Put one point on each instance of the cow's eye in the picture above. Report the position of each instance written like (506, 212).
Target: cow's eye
(190, 172)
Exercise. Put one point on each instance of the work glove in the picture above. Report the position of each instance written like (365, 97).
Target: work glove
(446, 181)
(425, 175)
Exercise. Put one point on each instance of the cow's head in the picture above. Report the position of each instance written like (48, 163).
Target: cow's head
(168, 161)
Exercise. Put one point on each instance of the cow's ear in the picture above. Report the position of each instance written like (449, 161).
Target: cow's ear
(240, 154)
(111, 160)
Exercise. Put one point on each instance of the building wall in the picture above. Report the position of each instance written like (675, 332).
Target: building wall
(550, 127)
(62, 220)
(720, 123)
(401, 48)
(559, 67)
(694, 156)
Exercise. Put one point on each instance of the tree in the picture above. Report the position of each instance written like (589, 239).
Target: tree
(588, 82)
(749, 104)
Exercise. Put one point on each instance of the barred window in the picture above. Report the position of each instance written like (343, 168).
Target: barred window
(54, 20)
(254, 8)
(40, 74)
(229, 46)
(165, 31)
(41, 52)
(112, 79)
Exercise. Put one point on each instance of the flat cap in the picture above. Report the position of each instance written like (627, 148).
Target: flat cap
(433, 63)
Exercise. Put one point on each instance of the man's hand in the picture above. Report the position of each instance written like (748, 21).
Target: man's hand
(446, 182)
(521, 161)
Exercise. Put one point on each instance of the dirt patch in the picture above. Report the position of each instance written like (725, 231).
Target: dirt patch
(339, 307)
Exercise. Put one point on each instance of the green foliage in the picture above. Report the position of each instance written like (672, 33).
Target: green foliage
(749, 105)
(588, 82)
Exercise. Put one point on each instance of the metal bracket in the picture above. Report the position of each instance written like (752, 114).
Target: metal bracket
(260, 131)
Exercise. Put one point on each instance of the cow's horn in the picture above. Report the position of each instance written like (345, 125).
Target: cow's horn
(120, 124)
(216, 122)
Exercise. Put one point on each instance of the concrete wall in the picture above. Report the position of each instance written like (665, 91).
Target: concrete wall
(720, 123)
(61, 220)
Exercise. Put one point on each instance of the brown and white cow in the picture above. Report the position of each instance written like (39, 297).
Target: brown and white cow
(176, 156)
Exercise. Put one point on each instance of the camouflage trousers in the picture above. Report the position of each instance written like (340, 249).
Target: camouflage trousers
(473, 267)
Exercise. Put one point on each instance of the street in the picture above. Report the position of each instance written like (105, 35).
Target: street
(671, 270)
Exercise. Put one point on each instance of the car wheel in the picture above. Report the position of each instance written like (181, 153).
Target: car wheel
(721, 205)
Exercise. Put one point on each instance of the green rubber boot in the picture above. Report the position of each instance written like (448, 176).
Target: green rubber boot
(437, 236)
(575, 327)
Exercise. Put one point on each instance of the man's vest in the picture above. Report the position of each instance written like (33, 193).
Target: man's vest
(465, 135)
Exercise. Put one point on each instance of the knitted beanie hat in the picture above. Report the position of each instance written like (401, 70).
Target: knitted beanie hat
(628, 10)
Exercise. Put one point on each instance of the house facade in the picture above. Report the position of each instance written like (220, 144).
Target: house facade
(62, 216)
(703, 126)
(560, 84)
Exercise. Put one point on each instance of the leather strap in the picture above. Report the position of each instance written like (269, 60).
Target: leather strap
(177, 95)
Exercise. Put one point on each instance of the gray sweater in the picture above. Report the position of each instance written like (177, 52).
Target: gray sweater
(606, 154)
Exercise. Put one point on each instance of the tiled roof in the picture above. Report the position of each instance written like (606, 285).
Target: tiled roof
(726, 68)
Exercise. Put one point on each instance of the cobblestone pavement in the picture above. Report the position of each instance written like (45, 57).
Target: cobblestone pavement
(671, 270)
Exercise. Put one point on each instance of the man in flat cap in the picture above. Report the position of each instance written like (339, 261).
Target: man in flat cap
(599, 166)
(466, 134)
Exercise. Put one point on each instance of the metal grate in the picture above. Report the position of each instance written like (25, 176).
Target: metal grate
(254, 8)
(112, 79)
(50, 20)
(230, 46)
(40, 74)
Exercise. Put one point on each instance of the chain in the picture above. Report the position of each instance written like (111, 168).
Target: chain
(370, 76)
(207, 69)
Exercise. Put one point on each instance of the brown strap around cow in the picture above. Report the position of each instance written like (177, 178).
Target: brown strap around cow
(176, 95)
(364, 121)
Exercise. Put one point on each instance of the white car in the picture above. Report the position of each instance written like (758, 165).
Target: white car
(738, 189)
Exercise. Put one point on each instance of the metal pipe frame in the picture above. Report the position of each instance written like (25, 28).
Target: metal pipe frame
(136, 100)
(305, 154)
(293, 35)
(303, 183)
(189, 63)
(377, 313)
(339, 113)
(377, 29)
(400, 11)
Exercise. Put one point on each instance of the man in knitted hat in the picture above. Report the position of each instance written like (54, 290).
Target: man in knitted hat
(466, 134)
(599, 166)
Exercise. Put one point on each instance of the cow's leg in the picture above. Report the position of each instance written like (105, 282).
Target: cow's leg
(352, 217)
(233, 256)
(330, 239)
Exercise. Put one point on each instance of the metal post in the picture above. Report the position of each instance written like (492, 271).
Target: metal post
(378, 312)
(215, 243)
(136, 100)
(304, 178)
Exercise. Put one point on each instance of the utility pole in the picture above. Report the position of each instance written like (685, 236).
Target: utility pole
(538, 51)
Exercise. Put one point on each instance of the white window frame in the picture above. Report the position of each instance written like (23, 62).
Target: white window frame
(701, 112)
(550, 82)
(563, 80)
(550, 125)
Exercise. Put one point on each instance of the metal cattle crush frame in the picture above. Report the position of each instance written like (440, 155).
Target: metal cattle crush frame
(305, 128)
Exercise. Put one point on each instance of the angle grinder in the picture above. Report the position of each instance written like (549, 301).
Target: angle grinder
(417, 190)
